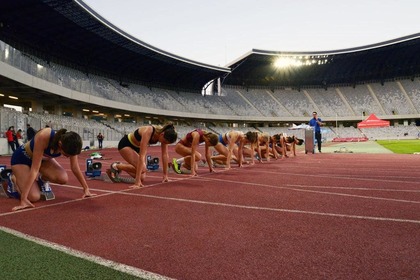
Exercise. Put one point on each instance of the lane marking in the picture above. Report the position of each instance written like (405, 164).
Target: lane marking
(198, 178)
(277, 209)
(82, 255)
(293, 187)
(356, 188)
(105, 193)
(341, 177)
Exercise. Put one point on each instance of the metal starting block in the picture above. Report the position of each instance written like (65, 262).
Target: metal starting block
(7, 187)
(129, 180)
(117, 178)
(93, 169)
(47, 195)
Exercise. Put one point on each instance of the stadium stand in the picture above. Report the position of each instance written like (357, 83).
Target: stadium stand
(347, 86)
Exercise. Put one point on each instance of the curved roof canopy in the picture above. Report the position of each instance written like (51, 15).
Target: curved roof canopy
(69, 32)
(378, 62)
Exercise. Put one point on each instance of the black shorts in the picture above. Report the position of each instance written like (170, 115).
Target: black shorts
(124, 142)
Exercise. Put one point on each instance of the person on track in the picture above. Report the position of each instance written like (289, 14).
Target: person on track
(263, 140)
(37, 159)
(187, 147)
(133, 149)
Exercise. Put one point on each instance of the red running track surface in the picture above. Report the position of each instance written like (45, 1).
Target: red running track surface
(321, 216)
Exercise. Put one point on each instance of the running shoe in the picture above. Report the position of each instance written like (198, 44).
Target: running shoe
(44, 186)
(175, 166)
(11, 190)
(114, 167)
(113, 176)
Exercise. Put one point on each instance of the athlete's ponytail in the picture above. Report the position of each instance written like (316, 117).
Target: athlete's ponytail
(169, 132)
(252, 136)
(71, 142)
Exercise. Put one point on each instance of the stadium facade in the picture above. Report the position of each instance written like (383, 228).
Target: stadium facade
(63, 58)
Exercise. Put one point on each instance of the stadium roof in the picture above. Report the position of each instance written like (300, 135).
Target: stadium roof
(378, 62)
(71, 33)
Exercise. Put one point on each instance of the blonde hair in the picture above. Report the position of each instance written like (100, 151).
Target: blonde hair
(212, 137)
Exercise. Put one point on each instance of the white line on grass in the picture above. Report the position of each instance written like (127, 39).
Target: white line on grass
(98, 260)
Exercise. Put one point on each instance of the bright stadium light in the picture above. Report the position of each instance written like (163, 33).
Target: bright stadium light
(282, 62)
(286, 62)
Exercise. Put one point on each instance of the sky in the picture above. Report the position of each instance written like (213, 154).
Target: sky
(218, 32)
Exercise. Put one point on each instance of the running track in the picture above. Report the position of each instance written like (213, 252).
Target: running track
(322, 216)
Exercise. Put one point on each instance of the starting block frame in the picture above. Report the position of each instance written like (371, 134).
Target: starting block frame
(47, 195)
(152, 164)
(93, 169)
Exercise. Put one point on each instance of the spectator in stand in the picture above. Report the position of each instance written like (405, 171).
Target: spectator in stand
(30, 132)
(19, 138)
(11, 138)
(100, 138)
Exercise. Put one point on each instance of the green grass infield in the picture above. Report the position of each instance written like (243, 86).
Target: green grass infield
(401, 146)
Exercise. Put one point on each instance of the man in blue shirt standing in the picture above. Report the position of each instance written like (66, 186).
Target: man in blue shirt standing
(316, 123)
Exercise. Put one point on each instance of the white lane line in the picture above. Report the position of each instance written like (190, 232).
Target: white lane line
(355, 188)
(105, 193)
(300, 189)
(338, 177)
(127, 192)
(79, 254)
(277, 209)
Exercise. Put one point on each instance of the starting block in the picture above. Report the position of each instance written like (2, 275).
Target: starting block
(115, 178)
(93, 169)
(129, 180)
(7, 187)
(47, 195)
(152, 163)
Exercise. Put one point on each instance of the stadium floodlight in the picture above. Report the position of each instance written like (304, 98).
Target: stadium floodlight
(286, 62)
